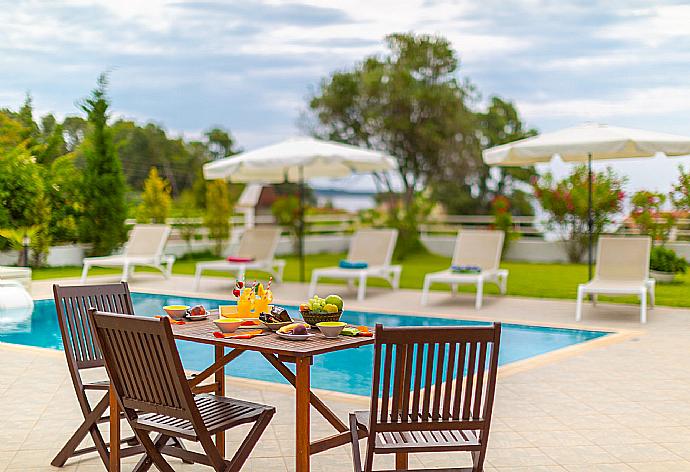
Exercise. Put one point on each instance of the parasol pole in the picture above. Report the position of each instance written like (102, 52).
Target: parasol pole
(300, 229)
(590, 218)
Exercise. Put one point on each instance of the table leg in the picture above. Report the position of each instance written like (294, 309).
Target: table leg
(302, 421)
(220, 390)
(401, 461)
(114, 431)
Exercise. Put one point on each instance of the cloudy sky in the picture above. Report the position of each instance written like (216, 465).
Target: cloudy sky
(249, 65)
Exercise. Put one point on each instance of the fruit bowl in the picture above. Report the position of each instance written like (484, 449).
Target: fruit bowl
(228, 325)
(176, 312)
(312, 318)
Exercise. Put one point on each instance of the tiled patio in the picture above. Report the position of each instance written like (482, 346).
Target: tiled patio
(621, 404)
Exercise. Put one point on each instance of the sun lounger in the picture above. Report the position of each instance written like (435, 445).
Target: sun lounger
(622, 269)
(144, 248)
(479, 252)
(258, 246)
(370, 255)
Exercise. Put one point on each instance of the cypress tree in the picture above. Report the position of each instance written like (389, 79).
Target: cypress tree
(105, 207)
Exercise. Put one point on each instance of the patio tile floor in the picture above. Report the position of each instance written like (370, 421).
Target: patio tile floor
(615, 406)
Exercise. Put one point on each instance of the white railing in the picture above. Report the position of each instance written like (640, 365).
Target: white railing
(344, 224)
(449, 224)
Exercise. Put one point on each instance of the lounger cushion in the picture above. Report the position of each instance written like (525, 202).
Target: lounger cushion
(345, 264)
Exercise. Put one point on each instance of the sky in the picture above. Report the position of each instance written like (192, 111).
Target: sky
(249, 65)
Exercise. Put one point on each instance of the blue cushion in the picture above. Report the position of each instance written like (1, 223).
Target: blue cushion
(345, 264)
(465, 269)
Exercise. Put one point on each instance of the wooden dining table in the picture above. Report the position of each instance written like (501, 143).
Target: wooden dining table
(279, 353)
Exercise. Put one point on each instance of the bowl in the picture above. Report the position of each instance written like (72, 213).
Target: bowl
(314, 318)
(176, 312)
(278, 325)
(227, 325)
(331, 329)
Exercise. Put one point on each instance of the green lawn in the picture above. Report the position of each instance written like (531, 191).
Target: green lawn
(526, 279)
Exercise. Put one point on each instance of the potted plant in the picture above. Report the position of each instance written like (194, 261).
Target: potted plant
(664, 264)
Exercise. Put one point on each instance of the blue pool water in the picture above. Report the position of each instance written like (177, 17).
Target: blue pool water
(346, 371)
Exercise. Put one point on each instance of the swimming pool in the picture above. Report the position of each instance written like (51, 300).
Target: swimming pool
(346, 371)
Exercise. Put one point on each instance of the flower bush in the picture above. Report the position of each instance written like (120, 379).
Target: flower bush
(503, 220)
(648, 216)
(565, 203)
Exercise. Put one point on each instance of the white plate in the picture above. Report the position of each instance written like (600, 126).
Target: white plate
(197, 317)
(295, 337)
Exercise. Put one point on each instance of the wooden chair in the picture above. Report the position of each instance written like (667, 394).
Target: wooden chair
(82, 353)
(146, 372)
(433, 391)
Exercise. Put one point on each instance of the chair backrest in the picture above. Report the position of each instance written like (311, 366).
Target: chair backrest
(440, 375)
(373, 246)
(143, 364)
(259, 243)
(623, 257)
(147, 240)
(72, 304)
(478, 247)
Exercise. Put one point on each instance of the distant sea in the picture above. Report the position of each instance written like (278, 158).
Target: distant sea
(350, 201)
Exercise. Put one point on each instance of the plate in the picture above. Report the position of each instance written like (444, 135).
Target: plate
(295, 337)
(197, 317)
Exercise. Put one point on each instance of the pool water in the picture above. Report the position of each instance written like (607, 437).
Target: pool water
(347, 371)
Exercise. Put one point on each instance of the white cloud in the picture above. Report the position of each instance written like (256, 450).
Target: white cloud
(653, 26)
(653, 101)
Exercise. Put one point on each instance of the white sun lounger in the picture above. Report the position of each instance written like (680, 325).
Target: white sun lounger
(21, 275)
(622, 269)
(144, 248)
(373, 246)
(260, 244)
(480, 248)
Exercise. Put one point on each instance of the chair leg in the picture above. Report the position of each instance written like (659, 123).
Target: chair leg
(454, 289)
(396, 278)
(480, 294)
(503, 283)
(478, 460)
(145, 462)
(594, 299)
(250, 441)
(354, 438)
(425, 290)
(88, 426)
(217, 461)
(643, 305)
(578, 305)
(153, 452)
(125, 272)
(650, 289)
(362, 289)
(197, 277)
(85, 272)
(312, 284)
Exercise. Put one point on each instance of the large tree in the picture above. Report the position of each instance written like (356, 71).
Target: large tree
(410, 103)
(500, 123)
(105, 209)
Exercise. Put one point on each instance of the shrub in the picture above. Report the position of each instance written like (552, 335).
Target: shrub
(155, 199)
(23, 201)
(64, 188)
(565, 203)
(663, 259)
(218, 213)
(285, 210)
